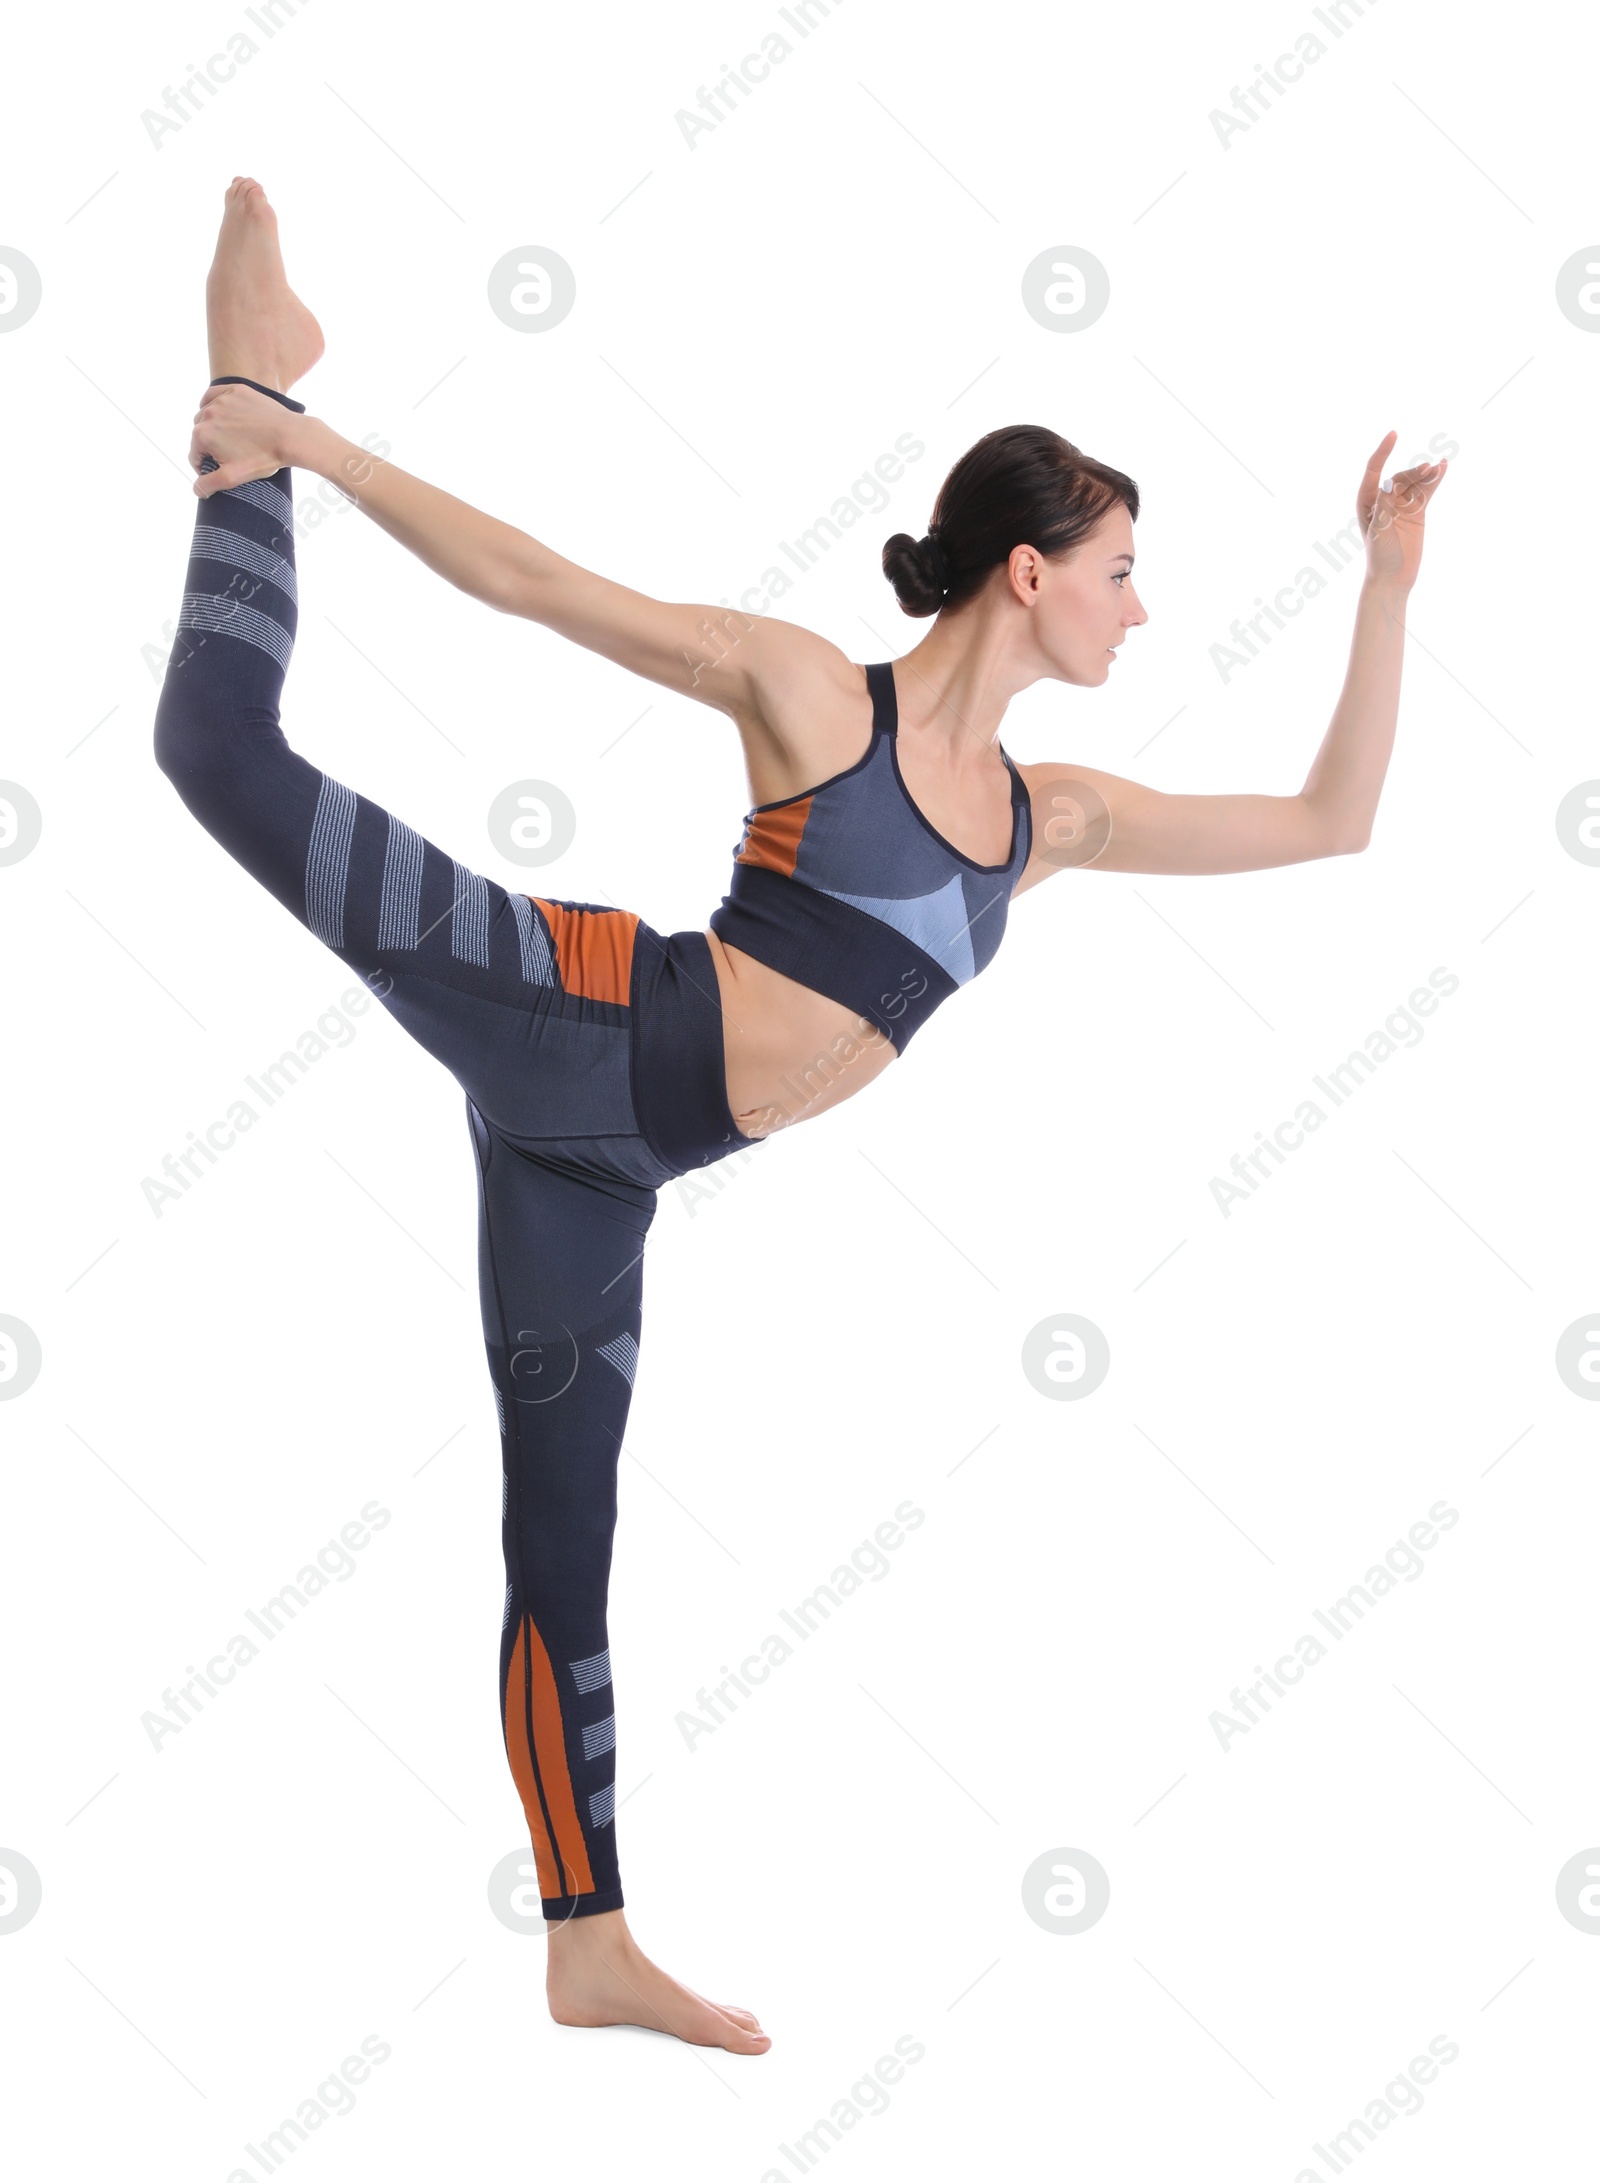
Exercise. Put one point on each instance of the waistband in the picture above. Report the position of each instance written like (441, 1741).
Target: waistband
(679, 1069)
(834, 948)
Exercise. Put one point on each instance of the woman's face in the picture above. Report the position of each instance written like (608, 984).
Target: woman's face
(1083, 603)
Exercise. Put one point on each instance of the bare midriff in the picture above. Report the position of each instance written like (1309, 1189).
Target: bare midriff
(790, 1052)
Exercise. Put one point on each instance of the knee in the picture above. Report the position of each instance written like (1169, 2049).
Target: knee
(179, 741)
(170, 741)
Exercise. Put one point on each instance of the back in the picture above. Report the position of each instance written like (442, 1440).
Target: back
(849, 889)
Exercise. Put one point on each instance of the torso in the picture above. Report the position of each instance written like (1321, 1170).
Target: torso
(791, 1052)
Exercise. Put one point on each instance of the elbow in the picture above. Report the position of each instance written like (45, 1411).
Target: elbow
(514, 583)
(501, 589)
(1336, 833)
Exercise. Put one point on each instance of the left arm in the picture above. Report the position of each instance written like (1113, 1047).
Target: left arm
(1332, 814)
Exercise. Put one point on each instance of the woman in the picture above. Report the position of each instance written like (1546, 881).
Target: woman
(601, 1058)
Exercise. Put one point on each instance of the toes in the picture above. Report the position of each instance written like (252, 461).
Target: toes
(746, 2017)
(748, 2037)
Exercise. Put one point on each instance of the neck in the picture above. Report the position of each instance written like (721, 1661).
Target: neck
(956, 684)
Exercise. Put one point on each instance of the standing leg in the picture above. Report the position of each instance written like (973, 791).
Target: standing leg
(559, 1267)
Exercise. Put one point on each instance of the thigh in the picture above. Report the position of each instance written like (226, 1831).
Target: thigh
(560, 1268)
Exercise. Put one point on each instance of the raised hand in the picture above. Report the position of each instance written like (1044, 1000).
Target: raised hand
(1392, 516)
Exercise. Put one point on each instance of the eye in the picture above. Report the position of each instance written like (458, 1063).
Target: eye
(1122, 576)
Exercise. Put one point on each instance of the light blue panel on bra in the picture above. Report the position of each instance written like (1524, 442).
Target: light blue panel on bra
(936, 922)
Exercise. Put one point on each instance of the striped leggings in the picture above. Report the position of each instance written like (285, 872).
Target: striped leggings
(590, 1051)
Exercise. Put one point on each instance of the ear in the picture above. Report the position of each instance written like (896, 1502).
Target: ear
(1023, 569)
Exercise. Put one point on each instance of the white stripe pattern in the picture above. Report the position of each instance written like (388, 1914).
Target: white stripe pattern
(603, 1806)
(400, 908)
(622, 1351)
(500, 1412)
(265, 497)
(538, 968)
(224, 617)
(600, 1738)
(505, 1619)
(469, 917)
(328, 860)
(593, 1673)
(234, 550)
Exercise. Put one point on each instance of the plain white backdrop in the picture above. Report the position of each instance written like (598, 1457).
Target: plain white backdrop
(761, 311)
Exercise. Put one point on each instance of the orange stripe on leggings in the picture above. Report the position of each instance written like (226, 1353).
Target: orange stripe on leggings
(522, 1769)
(594, 949)
(550, 1751)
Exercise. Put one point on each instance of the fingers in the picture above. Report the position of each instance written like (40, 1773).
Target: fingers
(1375, 459)
(1378, 498)
(1367, 490)
(224, 479)
(1405, 500)
(1416, 487)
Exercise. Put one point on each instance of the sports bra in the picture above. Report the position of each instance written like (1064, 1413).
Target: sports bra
(847, 888)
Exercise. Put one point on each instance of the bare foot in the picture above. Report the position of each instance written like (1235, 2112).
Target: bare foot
(598, 1974)
(256, 326)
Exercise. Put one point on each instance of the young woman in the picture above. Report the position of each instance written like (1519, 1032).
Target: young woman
(889, 833)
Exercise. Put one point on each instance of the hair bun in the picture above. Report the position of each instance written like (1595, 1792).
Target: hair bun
(918, 571)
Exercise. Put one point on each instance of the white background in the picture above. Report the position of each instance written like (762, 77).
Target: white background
(1291, 1920)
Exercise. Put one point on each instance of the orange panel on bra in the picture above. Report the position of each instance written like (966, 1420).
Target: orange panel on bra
(594, 950)
(772, 838)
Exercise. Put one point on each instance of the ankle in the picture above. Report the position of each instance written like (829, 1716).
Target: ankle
(586, 1940)
(255, 369)
(242, 379)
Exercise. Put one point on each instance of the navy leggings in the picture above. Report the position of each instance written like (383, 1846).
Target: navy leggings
(590, 1051)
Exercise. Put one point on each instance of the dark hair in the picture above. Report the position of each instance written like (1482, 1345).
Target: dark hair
(1020, 485)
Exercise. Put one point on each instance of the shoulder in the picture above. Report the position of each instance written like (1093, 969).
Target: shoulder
(1070, 813)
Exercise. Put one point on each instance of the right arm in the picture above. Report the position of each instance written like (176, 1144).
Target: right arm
(698, 651)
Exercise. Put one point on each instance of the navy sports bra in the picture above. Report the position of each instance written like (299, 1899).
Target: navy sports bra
(846, 888)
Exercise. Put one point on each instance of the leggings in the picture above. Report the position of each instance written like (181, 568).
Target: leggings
(590, 1051)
